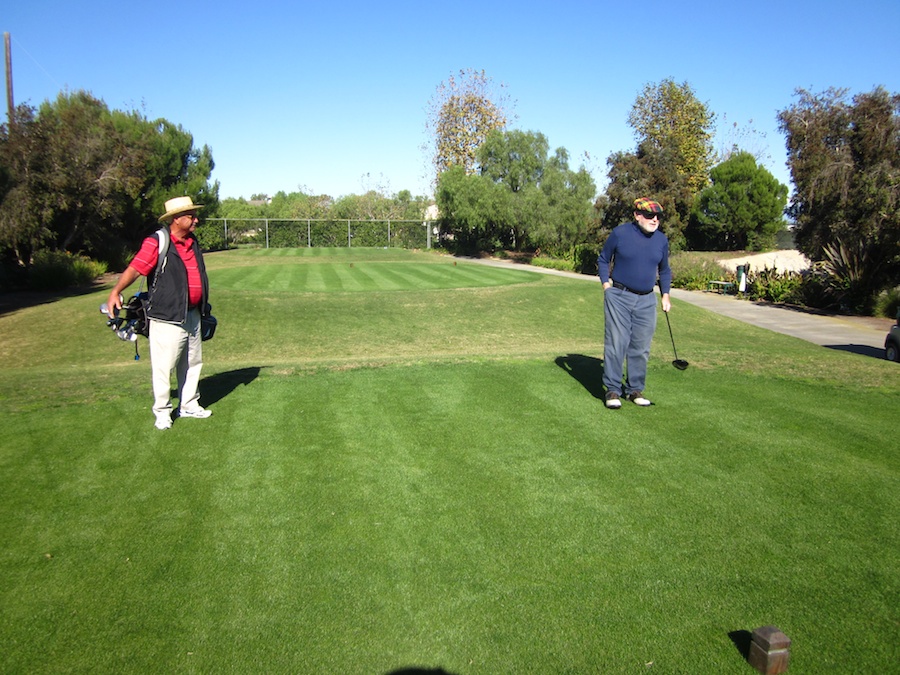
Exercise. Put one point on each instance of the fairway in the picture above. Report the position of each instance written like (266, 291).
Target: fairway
(409, 466)
(331, 270)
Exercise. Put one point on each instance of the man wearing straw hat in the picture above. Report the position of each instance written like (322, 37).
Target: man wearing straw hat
(634, 256)
(178, 295)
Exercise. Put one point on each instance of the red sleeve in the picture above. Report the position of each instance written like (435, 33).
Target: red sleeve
(145, 259)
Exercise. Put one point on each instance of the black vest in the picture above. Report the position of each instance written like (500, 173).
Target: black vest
(169, 289)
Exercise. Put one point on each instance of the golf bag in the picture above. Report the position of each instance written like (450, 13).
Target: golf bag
(208, 325)
(136, 307)
(136, 313)
(134, 320)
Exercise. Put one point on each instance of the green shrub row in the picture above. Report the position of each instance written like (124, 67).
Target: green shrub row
(774, 286)
(56, 270)
(693, 271)
(552, 263)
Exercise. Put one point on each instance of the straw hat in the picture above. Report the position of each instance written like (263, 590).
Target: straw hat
(177, 206)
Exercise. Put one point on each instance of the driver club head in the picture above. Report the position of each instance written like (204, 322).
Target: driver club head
(681, 364)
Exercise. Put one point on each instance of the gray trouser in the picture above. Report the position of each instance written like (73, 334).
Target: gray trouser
(629, 324)
(178, 348)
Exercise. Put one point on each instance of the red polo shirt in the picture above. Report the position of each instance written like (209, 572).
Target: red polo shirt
(145, 262)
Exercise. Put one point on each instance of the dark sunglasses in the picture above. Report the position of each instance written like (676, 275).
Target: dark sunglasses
(650, 215)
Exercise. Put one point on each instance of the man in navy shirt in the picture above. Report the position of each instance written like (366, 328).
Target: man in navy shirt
(634, 256)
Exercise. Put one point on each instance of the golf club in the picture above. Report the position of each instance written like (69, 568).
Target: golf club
(681, 364)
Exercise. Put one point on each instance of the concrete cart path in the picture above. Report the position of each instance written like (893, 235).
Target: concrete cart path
(860, 335)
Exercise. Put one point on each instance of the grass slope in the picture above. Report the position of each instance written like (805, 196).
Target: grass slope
(403, 477)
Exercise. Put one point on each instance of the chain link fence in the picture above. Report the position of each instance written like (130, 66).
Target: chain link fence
(223, 233)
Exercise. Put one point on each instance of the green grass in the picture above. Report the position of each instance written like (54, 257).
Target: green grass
(409, 465)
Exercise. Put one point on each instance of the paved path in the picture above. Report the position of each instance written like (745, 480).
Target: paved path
(853, 334)
(860, 335)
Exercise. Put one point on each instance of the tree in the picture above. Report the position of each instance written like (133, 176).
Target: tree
(742, 138)
(466, 205)
(568, 217)
(293, 205)
(514, 162)
(669, 116)
(461, 113)
(21, 230)
(88, 172)
(369, 206)
(169, 165)
(672, 161)
(78, 177)
(514, 158)
(650, 172)
(522, 198)
(742, 209)
(844, 159)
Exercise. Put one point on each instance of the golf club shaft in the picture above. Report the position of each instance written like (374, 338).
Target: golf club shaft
(669, 324)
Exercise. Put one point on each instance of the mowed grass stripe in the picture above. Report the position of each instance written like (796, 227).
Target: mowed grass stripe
(261, 277)
(359, 277)
(427, 276)
(389, 278)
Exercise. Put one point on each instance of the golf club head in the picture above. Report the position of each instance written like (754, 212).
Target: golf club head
(681, 364)
(104, 308)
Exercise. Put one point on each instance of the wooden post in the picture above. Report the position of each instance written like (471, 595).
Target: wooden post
(10, 107)
(769, 650)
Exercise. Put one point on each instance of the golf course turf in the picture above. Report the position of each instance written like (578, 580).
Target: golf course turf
(409, 465)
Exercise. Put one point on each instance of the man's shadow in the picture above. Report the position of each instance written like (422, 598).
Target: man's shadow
(218, 386)
(587, 370)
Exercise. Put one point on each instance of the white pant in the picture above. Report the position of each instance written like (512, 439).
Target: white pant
(177, 348)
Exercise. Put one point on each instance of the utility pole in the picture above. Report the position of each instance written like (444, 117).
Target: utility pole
(10, 107)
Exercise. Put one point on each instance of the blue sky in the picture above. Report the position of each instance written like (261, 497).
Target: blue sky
(331, 97)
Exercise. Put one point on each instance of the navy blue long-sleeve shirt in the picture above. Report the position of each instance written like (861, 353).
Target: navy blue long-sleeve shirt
(637, 259)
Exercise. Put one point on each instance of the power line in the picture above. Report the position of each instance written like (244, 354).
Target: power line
(52, 79)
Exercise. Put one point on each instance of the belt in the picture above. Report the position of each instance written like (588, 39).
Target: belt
(623, 287)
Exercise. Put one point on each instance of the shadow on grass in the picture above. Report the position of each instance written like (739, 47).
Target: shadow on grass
(218, 386)
(741, 640)
(862, 350)
(587, 371)
(11, 301)
(420, 671)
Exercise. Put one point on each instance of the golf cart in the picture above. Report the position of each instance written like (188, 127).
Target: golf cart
(892, 344)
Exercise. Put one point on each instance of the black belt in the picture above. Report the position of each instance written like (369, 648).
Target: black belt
(623, 287)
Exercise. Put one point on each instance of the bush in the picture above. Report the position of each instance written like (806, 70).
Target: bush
(774, 286)
(552, 263)
(56, 270)
(211, 236)
(584, 258)
(887, 304)
(693, 271)
(12, 275)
